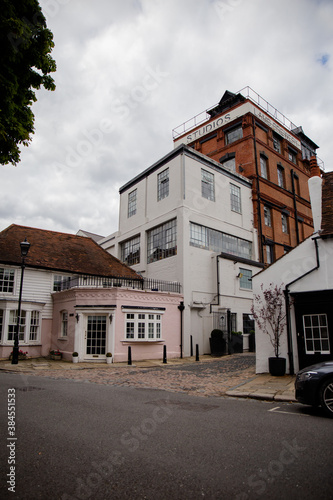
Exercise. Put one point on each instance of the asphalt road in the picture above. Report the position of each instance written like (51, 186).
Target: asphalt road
(78, 440)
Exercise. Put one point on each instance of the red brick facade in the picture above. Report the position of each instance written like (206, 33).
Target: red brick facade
(282, 198)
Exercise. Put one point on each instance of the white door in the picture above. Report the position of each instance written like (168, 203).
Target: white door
(95, 336)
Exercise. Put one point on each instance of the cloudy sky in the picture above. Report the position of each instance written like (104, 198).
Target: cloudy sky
(129, 71)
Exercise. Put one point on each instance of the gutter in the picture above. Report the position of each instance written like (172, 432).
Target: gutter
(218, 286)
(287, 302)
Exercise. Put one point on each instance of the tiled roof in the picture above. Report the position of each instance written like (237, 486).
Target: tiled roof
(327, 205)
(60, 252)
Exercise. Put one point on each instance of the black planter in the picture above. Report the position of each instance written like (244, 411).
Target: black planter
(217, 346)
(236, 344)
(277, 366)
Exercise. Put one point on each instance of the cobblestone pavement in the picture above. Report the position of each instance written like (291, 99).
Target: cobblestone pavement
(211, 378)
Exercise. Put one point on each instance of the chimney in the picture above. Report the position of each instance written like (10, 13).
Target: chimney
(315, 188)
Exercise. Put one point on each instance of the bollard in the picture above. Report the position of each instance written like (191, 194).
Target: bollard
(191, 345)
(164, 354)
(197, 352)
(129, 362)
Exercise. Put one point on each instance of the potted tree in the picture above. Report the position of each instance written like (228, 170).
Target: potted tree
(269, 312)
(75, 357)
(109, 358)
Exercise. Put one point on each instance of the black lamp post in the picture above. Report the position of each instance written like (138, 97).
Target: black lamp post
(25, 245)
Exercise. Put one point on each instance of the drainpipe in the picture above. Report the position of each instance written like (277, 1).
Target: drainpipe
(261, 248)
(218, 285)
(181, 307)
(287, 301)
(295, 204)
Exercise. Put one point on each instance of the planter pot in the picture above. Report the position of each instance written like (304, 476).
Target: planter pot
(55, 357)
(109, 360)
(217, 346)
(277, 366)
(75, 359)
(236, 344)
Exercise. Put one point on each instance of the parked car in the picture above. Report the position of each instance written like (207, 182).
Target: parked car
(314, 386)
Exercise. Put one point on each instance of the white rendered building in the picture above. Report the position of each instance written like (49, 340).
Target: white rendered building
(188, 219)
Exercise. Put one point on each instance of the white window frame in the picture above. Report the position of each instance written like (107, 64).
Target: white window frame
(235, 198)
(7, 283)
(316, 333)
(163, 184)
(284, 222)
(267, 216)
(245, 280)
(280, 174)
(143, 325)
(30, 322)
(64, 324)
(263, 167)
(132, 201)
(207, 185)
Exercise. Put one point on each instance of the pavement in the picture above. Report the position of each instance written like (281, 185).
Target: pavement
(232, 375)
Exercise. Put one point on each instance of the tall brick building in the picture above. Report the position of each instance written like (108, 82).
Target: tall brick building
(248, 136)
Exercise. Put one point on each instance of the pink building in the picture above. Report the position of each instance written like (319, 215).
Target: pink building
(79, 298)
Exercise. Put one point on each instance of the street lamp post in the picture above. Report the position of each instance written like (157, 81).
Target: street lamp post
(25, 245)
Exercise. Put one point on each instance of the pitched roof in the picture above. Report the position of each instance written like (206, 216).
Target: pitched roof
(60, 252)
(327, 205)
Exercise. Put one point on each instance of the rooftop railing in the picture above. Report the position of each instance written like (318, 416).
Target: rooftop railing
(248, 93)
(101, 282)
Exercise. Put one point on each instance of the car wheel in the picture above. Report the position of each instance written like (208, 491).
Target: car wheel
(326, 397)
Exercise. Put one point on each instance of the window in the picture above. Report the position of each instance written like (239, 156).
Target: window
(284, 220)
(235, 198)
(7, 280)
(245, 280)
(267, 216)
(144, 326)
(59, 282)
(34, 325)
(132, 203)
(248, 323)
(64, 324)
(292, 155)
(230, 164)
(263, 167)
(207, 185)
(277, 143)
(296, 183)
(233, 134)
(12, 325)
(269, 253)
(280, 172)
(316, 334)
(163, 184)
(29, 329)
(216, 241)
(130, 251)
(162, 241)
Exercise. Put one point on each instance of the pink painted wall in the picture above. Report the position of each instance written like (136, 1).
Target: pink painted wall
(118, 297)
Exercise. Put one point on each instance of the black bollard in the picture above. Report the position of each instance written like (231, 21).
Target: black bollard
(191, 345)
(129, 362)
(164, 355)
(197, 352)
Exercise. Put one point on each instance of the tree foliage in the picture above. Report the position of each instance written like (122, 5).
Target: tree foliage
(25, 65)
(270, 314)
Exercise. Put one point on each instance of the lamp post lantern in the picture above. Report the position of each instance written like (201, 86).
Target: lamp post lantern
(25, 245)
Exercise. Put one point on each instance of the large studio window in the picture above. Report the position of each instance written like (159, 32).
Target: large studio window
(162, 241)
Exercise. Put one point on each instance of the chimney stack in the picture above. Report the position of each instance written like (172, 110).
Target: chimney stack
(315, 190)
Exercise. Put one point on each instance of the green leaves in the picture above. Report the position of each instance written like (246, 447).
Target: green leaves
(25, 64)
